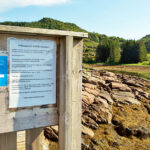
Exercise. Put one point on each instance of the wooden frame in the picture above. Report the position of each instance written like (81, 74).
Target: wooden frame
(37, 31)
(13, 119)
(67, 111)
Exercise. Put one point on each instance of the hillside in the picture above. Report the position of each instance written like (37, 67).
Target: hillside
(90, 44)
(47, 23)
(146, 40)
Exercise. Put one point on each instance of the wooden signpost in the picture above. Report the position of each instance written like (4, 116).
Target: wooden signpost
(40, 85)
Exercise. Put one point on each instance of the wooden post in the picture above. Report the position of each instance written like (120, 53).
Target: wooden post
(70, 96)
(8, 141)
(76, 93)
(33, 141)
(62, 95)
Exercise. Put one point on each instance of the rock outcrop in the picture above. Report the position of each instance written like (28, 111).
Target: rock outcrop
(114, 108)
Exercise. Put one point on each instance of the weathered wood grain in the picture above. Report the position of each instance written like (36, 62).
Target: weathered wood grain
(68, 94)
(37, 31)
(33, 139)
(70, 104)
(62, 94)
(8, 141)
(76, 93)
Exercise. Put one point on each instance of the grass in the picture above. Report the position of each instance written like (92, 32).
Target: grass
(89, 43)
(145, 63)
(140, 71)
(148, 55)
(138, 74)
(90, 59)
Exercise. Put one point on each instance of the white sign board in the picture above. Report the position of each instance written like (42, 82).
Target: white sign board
(32, 80)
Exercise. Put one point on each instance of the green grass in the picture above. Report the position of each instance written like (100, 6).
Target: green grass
(139, 71)
(90, 44)
(91, 60)
(148, 55)
(138, 74)
(145, 63)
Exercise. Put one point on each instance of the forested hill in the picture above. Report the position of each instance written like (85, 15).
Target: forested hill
(90, 44)
(146, 40)
(47, 23)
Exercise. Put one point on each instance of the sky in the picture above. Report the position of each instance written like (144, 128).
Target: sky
(129, 19)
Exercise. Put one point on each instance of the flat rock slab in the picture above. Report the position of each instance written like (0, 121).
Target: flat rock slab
(87, 98)
(125, 97)
(107, 97)
(87, 131)
(120, 86)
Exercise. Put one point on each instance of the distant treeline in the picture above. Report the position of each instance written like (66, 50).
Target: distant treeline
(98, 47)
(130, 51)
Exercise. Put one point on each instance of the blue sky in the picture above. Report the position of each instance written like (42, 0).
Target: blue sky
(124, 18)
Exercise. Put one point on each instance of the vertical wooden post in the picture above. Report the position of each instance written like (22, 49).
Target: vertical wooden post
(70, 96)
(8, 141)
(33, 141)
(62, 95)
(76, 93)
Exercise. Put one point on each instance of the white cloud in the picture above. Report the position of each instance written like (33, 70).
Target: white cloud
(9, 4)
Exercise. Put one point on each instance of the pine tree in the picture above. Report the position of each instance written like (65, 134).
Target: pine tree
(108, 51)
(142, 52)
(114, 52)
(133, 52)
(102, 51)
(129, 52)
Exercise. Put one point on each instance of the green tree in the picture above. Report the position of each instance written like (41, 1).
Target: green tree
(129, 52)
(133, 52)
(102, 51)
(108, 51)
(142, 51)
(114, 52)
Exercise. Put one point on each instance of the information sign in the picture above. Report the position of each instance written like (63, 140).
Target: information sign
(32, 72)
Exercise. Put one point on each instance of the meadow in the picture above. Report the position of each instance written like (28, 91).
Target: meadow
(140, 71)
